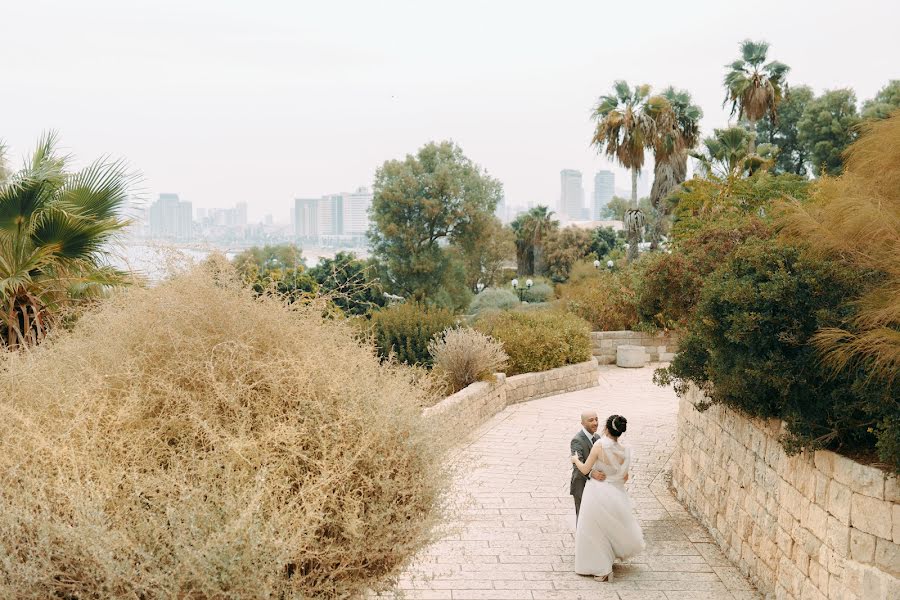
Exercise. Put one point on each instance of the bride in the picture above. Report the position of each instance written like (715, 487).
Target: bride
(606, 529)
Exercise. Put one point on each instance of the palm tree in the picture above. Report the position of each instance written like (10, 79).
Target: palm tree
(54, 230)
(677, 132)
(625, 127)
(753, 88)
(727, 154)
(531, 230)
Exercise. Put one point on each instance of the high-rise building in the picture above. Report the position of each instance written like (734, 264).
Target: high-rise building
(604, 190)
(356, 212)
(571, 200)
(306, 218)
(170, 218)
(240, 214)
(331, 215)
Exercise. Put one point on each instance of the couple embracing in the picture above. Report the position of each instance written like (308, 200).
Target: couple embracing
(606, 529)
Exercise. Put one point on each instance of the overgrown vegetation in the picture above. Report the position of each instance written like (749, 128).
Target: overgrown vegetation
(538, 340)
(194, 441)
(748, 346)
(605, 300)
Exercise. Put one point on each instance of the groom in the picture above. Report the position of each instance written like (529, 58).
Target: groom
(581, 445)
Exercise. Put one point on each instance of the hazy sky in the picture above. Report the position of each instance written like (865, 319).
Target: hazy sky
(263, 101)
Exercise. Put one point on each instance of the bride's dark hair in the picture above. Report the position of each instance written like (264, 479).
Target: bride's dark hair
(616, 425)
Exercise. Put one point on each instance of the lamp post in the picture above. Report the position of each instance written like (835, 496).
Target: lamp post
(610, 264)
(479, 287)
(515, 287)
(597, 264)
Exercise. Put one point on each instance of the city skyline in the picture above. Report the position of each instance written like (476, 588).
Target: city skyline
(299, 99)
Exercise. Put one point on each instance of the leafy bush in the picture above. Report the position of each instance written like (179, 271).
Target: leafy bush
(605, 300)
(406, 329)
(748, 346)
(463, 356)
(563, 247)
(668, 286)
(192, 440)
(350, 283)
(666, 289)
(538, 340)
(539, 292)
(699, 200)
(494, 299)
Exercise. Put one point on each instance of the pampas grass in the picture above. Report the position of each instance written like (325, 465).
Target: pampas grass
(856, 217)
(193, 441)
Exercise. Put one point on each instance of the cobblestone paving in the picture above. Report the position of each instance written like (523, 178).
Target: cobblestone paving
(513, 537)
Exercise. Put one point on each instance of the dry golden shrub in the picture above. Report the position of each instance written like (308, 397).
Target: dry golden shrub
(463, 356)
(192, 441)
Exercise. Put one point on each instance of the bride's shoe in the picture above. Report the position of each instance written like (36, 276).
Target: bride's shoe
(608, 578)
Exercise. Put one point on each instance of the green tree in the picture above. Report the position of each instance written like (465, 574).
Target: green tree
(55, 228)
(677, 132)
(422, 204)
(728, 155)
(350, 282)
(563, 248)
(793, 155)
(827, 128)
(603, 241)
(268, 257)
(885, 102)
(276, 269)
(615, 208)
(753, 86)
(625, 127)
(531, 229)
(485, 255)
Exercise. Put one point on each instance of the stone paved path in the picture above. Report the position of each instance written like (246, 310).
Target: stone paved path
(513, 538)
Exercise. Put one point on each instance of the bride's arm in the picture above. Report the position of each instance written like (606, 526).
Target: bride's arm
(585, 467)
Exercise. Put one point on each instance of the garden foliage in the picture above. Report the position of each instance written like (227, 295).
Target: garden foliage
(494, 299)
(748, 346)
(605, 300)
(405, 330)
(538, 340)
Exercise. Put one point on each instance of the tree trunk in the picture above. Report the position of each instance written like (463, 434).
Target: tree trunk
(538, 259)
(752, 148)
(634, 177)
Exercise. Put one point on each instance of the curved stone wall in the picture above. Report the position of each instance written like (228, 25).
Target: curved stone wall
(470, 407)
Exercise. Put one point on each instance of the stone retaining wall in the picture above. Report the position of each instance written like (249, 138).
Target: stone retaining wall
(659, 346)
(472, 406)
(812, 526)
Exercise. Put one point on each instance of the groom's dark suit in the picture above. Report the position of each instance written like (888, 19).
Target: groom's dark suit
(581, 445)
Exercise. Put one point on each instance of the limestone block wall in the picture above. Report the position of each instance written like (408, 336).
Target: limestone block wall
(659, 346)
(478, 402)
(531, 386)
(812, 526)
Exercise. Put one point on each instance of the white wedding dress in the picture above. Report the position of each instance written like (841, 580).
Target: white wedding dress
(607, 529)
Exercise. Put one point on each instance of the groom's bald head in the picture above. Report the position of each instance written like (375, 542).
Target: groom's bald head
(589, 421)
